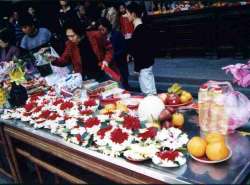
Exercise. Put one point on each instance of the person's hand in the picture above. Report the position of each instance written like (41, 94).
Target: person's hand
(42, 50)
(51, 58)
(104, 64)
(129, 58)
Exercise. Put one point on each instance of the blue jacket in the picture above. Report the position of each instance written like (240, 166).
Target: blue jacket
(119, 45)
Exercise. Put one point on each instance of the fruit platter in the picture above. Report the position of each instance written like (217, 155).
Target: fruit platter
(176, 96)
(212, 149)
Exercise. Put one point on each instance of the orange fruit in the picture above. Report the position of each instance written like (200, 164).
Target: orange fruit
(197, 146)
(217, 151)
(214, 137)
(177, 119)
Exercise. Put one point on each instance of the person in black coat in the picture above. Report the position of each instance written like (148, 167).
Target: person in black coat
(142, 49)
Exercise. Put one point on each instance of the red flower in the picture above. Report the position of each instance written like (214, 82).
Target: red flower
(66, 105)
(117, 136)
(66, 117)
(89, 123)
(45, 114)
(77, 126)
(35, 97)
(90, 103)
(86, 112)
(39, 122)
(78, 137)
(45, 102)
(58, 101)
(103, 131)
(29, 106)
(169, 155)
(37, 109)
(53, 116)
(150, 133)
(27, 114)
(131, 123)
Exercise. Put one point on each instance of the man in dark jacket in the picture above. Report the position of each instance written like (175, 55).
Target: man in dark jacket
(142, 47)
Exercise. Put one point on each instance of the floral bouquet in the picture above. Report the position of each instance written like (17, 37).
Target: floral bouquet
(240, 72)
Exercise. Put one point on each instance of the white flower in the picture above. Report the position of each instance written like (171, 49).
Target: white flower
(73, 112)
(79, 130)
(74, 140)
(71, 123)
(93, 129)
(172, 138)
(103, 118)
(39, 125)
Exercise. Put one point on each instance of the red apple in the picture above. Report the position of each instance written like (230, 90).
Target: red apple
(165, 115)
(163, 96)
(171, 109)
(166, 124)
(173, 99)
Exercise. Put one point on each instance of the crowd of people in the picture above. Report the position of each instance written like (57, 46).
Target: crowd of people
(88, 37)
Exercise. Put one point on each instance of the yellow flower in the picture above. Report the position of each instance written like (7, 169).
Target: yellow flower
(2, 97)
(17, 75)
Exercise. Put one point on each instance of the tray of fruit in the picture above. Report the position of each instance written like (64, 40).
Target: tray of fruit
(211, 149)
(204, 159)
(176, 96)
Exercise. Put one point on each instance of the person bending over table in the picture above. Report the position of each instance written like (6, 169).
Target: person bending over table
(88, 52)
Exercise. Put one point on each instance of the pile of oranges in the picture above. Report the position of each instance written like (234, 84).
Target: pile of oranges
(213, 146)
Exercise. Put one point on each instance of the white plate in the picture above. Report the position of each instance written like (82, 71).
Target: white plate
(169, 164)
(213, 162)
(128, 154)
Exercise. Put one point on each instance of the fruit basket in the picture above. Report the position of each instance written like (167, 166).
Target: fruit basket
(176, 96)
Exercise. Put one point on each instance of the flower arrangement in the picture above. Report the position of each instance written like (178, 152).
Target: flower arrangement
(121, 134)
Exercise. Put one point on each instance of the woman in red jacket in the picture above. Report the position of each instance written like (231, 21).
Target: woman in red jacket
(88, 52)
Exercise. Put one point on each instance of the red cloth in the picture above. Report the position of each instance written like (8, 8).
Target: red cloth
(127, 27)
(71, 55)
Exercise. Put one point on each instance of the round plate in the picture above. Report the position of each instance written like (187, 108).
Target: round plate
(181, 104)
(205, 160)
(170, 165)
(128, 157)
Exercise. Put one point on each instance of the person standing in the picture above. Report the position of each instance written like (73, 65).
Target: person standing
(126, 26)
(34, 16)
(119, 47)
(141, 48)
(7, 49)
(66, 14)
(14, 21)
(88, 52)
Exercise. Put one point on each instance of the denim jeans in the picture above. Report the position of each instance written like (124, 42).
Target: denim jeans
(147, 81)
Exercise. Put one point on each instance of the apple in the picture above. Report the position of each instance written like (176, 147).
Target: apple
(165, 115)
(173, 99)
(171, 109)
(166, 124)
(163, 96)
(178, 120)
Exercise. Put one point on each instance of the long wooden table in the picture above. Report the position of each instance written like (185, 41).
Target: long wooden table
(120, 170)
